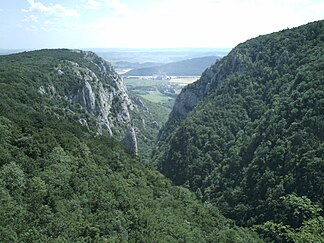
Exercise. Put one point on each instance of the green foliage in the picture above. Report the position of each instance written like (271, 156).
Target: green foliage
(88, 188)
(60, 182)
(300, 221)
(24, 76)
(296, 210)
(148, 118)
(254, 143)
(310, 231)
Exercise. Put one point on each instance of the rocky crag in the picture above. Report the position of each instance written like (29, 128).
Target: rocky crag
(83, 78)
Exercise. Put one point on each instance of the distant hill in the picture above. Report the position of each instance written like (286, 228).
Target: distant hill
(157, 55)
(190, 67)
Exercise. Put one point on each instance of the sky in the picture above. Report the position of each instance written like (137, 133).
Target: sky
(36, 24)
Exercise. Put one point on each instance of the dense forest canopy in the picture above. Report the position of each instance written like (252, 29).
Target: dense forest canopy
(62, 182)
(248, 136)
(245, 141)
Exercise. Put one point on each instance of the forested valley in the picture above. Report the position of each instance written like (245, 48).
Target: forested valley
(63, 178)
(240, 158)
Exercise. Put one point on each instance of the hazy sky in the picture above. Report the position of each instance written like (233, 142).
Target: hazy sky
(35, 24)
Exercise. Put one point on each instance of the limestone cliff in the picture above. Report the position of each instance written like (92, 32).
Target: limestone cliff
(97, 88)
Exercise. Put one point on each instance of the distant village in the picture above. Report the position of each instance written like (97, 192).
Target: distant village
(160, 76)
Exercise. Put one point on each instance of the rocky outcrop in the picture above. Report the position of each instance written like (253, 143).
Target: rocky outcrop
(186, 101)
(105, 95)
(130, 140)
(99, 90)
(86, 97)
(210, 80)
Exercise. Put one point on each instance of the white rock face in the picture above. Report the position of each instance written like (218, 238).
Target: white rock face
(97, 88)
(130, 140)
(103, 94)
(186, 101)
(86, 97)
(41, 90)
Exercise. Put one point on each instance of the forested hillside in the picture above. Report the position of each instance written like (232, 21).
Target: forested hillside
(78, 84)
(63, 181)
(248, 136)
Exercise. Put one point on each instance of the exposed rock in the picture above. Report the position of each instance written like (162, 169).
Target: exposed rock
(86, 97)
(41, 90)
(186, 101)
(143, 123)
(74, 64)
(210, 80)
(84, 122)
(139, 103)
(104, 95)
(50, 90)
(130, 141)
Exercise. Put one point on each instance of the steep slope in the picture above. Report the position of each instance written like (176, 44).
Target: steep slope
(61, 182)
(91, 89)
(148, 118)
(248, 136)
(190, 67)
